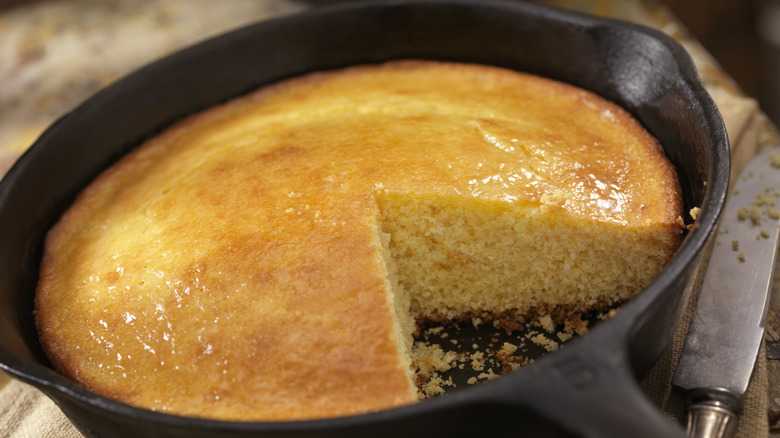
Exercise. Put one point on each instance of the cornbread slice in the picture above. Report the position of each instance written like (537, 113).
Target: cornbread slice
(266, 259)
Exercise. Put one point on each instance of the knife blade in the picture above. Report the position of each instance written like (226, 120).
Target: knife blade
(727, 329)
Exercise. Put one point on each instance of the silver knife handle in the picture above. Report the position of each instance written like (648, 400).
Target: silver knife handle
(712, 413)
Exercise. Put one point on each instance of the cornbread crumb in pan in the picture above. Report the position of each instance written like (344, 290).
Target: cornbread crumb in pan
(270, 258)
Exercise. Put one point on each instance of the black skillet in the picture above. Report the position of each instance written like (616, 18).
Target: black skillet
(588, 388)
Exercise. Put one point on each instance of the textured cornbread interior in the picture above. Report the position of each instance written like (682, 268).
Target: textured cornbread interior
(460, 256)
(266, 259)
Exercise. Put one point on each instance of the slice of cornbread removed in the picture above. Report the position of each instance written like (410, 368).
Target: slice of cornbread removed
(264, 260)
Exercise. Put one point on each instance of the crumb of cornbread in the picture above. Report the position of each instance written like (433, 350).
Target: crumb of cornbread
(435, 386)
(545, 342)
(478, 361)
(430, 360)
(489, 375)
(547, 323)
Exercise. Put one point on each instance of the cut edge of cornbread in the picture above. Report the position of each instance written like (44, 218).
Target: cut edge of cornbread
(452, 258)
(459, 255)
(398, 298)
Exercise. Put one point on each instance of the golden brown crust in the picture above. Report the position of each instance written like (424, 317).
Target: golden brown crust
(229, 267)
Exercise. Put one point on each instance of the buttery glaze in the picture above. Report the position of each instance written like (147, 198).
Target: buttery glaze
(191, 277)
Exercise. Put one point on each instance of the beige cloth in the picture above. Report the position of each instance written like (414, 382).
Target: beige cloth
(27, 413)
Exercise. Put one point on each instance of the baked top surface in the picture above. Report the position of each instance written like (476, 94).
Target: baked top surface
(232, 261)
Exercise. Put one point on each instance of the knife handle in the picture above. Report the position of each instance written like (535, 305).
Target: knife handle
(712, 413)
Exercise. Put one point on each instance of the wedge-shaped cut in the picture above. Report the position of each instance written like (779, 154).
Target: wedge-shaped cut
(265, 259)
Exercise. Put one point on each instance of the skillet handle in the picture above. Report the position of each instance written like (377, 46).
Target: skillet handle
(589, 389)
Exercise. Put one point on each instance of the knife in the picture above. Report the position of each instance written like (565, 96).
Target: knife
(727, 329)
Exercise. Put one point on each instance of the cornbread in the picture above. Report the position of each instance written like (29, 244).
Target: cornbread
(267, 259)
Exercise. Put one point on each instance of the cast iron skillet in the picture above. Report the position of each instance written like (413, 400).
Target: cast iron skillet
(588, 388)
